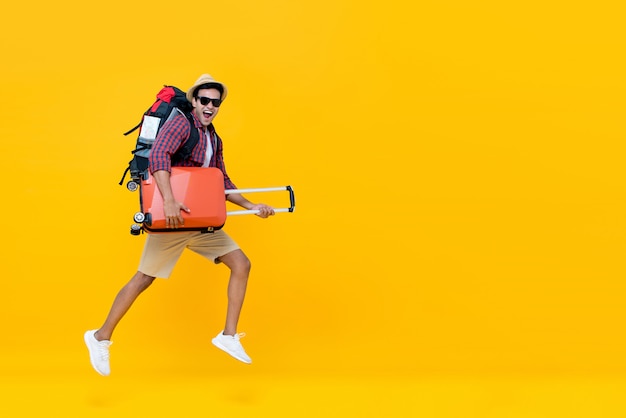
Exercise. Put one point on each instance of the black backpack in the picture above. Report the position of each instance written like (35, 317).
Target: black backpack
(169, 101)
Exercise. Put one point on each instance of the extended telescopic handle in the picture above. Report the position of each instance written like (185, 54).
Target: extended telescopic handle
(292, 199)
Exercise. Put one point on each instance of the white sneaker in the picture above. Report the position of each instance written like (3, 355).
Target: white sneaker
(231, 345)
(98, 353)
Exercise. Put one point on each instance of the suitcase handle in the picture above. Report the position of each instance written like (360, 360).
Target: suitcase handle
(292, 199)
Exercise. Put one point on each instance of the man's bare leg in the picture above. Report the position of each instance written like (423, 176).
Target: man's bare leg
(122, 303)
(239, 266)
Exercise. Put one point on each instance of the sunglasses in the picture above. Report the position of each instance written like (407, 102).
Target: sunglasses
(206, 100)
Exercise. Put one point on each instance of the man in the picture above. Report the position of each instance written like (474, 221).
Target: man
(162, 251)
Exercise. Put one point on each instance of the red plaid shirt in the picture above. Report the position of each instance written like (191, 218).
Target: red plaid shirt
(173, 135)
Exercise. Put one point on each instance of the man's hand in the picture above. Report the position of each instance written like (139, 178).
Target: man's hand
(264, 210)
(173, 217)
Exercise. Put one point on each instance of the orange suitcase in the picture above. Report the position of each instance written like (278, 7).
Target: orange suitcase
(202, 191)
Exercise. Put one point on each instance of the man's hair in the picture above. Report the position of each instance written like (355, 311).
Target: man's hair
(216, 86)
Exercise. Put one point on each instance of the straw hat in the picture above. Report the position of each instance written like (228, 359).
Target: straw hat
(207, 79)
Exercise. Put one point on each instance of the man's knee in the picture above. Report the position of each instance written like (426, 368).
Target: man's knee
(242, 265)
(237, 262)
(142, 281)
(246, 264)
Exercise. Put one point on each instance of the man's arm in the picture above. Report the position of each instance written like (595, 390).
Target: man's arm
(238, 199)
(169, 139)
(171, 208)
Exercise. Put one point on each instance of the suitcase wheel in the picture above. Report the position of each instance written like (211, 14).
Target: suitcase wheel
(132, 186)
(139, 217)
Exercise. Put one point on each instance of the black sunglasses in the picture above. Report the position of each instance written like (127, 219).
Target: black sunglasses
(206, 100)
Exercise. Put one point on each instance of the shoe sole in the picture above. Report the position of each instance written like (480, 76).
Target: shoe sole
(224, 349)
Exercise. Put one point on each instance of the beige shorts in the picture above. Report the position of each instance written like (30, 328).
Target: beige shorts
(162, 251)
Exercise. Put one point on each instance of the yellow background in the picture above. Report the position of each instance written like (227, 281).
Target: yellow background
(457, 244)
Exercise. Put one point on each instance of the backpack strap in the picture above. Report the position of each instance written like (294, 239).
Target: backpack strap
(134, 129)
(124, 175)
(185, 151)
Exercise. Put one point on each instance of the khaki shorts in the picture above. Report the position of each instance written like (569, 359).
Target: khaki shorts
(162, 251)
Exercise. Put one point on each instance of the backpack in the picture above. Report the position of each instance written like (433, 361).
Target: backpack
(170, 101)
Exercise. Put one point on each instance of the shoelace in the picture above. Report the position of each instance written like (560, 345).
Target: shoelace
(103, 349)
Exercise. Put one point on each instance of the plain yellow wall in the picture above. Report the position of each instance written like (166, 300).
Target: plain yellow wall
(458, 169)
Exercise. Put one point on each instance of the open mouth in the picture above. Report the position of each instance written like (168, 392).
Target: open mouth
(207, 114)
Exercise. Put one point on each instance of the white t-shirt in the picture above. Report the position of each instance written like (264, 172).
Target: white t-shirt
(209, 149)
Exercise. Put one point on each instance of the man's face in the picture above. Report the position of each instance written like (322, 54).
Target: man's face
(206, 112)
